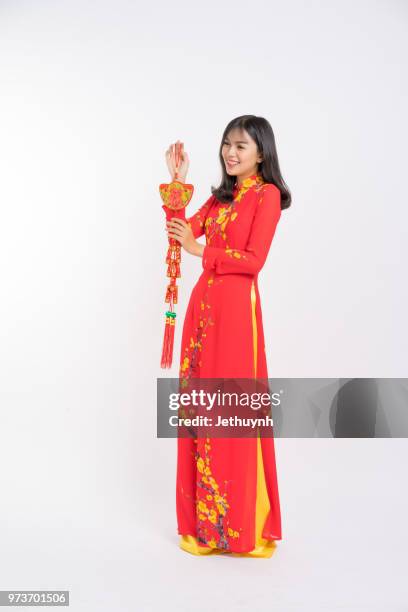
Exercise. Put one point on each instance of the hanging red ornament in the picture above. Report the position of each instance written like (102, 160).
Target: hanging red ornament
(175, 195)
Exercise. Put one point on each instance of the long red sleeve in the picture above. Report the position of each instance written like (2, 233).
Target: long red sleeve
(197, 221)
(252, 259)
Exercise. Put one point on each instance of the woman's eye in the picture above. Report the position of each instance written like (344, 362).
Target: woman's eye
(227, 143)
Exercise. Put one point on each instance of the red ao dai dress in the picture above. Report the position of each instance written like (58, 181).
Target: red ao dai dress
(227, 495)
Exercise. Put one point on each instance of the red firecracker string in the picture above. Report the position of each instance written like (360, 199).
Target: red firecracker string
(175, 196)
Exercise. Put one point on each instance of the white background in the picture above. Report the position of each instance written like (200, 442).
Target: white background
(92, 94)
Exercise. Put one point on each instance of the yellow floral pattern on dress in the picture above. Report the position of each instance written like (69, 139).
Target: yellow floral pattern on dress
(211, 505)
(253, 181)
(235, 253)
(218, 225)
(191, 363)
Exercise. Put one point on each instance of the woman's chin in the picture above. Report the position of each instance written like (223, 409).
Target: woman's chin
(231, 171)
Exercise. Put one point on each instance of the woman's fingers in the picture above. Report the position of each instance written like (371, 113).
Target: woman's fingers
(183, 161)
(175, 225)
(176, 228)
(176, 236)
(172, 150)
(177, 221)
(175, 232)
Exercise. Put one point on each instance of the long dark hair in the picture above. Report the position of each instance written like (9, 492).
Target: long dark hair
(261, 132)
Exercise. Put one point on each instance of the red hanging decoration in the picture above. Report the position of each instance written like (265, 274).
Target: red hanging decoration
(175, 195)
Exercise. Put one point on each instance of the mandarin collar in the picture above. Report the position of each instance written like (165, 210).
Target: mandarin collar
(254, 179)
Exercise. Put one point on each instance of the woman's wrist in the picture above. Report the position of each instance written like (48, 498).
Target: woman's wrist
(199, 249)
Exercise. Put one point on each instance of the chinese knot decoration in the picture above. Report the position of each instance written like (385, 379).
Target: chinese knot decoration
(175, 195)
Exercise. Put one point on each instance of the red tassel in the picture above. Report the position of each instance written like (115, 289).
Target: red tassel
(168, 340)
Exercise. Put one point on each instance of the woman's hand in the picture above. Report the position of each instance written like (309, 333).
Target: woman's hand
(181, 231)
(183, 163)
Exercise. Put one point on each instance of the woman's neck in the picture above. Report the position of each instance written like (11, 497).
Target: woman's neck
(241, 179)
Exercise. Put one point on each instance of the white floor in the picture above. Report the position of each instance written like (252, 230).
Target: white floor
(344, 547)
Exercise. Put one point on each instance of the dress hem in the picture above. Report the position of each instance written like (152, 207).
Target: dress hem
(189, 544)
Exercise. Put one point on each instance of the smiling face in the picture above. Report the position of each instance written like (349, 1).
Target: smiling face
(240, 154)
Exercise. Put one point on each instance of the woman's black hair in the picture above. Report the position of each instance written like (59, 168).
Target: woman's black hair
(261, 132)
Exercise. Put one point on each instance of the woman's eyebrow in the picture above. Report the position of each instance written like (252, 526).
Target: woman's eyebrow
(239, 141)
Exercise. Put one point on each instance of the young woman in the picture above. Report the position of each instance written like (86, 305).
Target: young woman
(227, 490)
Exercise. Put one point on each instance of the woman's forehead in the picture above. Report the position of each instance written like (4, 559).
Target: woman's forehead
(238, 135)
